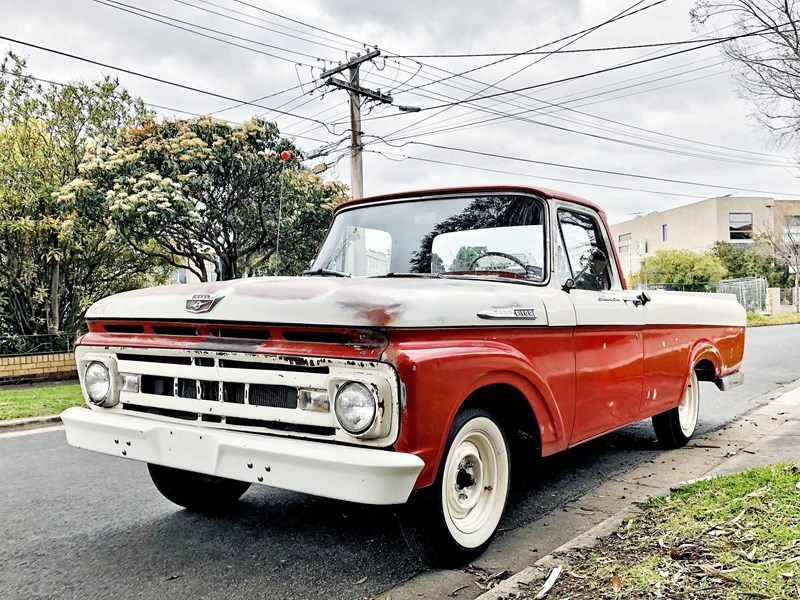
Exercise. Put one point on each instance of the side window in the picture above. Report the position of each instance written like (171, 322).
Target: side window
(578, 233)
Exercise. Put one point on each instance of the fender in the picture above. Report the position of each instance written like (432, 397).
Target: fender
(704, 349)
(440, 375)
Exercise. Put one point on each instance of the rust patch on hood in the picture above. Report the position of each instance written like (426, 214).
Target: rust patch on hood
(378, 315)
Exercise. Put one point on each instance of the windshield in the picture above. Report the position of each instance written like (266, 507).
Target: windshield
(494, 236)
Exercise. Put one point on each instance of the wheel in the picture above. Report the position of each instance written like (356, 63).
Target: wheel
(676, 426)
(195, 491)
(455, 519)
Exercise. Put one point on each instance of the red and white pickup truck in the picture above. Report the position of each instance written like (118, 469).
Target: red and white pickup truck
(436, 333)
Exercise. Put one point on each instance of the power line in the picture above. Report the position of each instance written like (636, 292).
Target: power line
(585, 74)
(528, 175)
(562, 51)
(682, 149)
(280, 16)
(171, 22)
(581, 33)
(603, 171)
(159, 80)
(224, 16)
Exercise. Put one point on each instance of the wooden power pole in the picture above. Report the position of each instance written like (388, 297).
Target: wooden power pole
(356, 93)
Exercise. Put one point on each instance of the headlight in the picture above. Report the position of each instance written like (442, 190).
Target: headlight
(97, 380)
(355, 407)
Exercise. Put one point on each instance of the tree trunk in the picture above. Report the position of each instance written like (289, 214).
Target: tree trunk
(55, 291)
(797, 288)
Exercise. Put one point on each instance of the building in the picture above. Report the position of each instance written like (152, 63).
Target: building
(697, 226)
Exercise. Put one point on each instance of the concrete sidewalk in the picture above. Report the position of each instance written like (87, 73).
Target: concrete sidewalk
(768, 435)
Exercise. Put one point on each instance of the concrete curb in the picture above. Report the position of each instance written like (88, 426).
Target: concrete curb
(29, 423)
(542, 567)
(538, 572)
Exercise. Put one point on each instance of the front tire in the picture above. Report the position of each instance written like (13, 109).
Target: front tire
(455, 519)
(197, 492)
(675, 427)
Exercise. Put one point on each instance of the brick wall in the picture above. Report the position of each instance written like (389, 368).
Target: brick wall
(37, 366)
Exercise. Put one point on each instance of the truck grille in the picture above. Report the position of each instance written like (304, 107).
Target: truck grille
(255, 394)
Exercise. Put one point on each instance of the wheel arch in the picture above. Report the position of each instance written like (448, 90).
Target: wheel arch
(705, 360)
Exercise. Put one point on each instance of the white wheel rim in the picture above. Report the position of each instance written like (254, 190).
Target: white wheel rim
(475, 483)
(689, 407)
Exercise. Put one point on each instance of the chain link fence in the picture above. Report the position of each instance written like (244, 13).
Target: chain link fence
(751, 292)
(676, 287)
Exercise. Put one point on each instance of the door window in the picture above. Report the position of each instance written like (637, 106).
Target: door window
(578, 233)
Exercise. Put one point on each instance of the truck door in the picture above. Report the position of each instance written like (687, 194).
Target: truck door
(609, 357)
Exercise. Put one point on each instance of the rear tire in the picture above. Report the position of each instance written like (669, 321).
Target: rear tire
(197, 492)
(675, 427)
(454, 520)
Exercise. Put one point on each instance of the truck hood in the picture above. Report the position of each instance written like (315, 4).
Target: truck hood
(356, 302)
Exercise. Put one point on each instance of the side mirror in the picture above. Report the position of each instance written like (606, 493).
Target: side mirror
(592, 261)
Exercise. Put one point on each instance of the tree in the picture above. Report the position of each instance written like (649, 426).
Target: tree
(53, 264)
(747, 262)
(783, 245)
(200, 191)
(682, 269)
(466, 256)
(767, 60)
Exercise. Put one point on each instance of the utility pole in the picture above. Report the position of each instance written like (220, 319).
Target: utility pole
(356, 92)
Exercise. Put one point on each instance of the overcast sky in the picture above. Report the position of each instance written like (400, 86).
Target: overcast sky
(689, 96)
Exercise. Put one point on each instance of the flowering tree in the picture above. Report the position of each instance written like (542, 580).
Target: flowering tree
(201, 192)
(53, 263)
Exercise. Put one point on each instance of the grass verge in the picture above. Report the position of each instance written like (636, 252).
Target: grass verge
(756, 320)
(728, 537)
(23, 401)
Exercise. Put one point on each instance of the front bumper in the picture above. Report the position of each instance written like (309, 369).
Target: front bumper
(365, 475)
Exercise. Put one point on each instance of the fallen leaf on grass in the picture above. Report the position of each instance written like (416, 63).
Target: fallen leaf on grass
(787, 575)
(758, 493)
(616, 583)
(362, 580)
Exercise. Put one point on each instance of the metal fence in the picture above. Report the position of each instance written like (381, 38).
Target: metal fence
(20, 345)
(677, 287)
(751, 292)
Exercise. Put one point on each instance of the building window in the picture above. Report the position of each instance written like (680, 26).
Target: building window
(624, 249)
(178, 276)
(664, 233)
(792, 232)
(740, 226)
(624, 237)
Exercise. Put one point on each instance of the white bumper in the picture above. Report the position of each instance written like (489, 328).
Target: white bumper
(365, 475)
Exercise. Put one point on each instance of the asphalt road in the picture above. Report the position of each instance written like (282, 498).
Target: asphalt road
(75, 524)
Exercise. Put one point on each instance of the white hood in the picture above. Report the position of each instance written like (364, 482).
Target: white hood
(356, 302)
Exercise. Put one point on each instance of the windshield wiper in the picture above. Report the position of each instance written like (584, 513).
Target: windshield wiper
(428, 275)
(326, 273)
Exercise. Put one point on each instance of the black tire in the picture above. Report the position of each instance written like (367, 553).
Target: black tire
(197, 492)
(427, 522)
(675, 427)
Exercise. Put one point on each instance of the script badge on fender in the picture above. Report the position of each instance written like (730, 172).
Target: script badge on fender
(202, 303)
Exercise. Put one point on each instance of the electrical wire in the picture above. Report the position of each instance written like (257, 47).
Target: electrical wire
(595, 170)
(160, 80)
(528, 175)
(172, 22)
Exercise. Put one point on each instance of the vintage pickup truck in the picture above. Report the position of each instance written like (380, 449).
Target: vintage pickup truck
(436, 334)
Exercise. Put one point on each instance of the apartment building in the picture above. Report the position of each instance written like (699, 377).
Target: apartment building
(697, 226)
